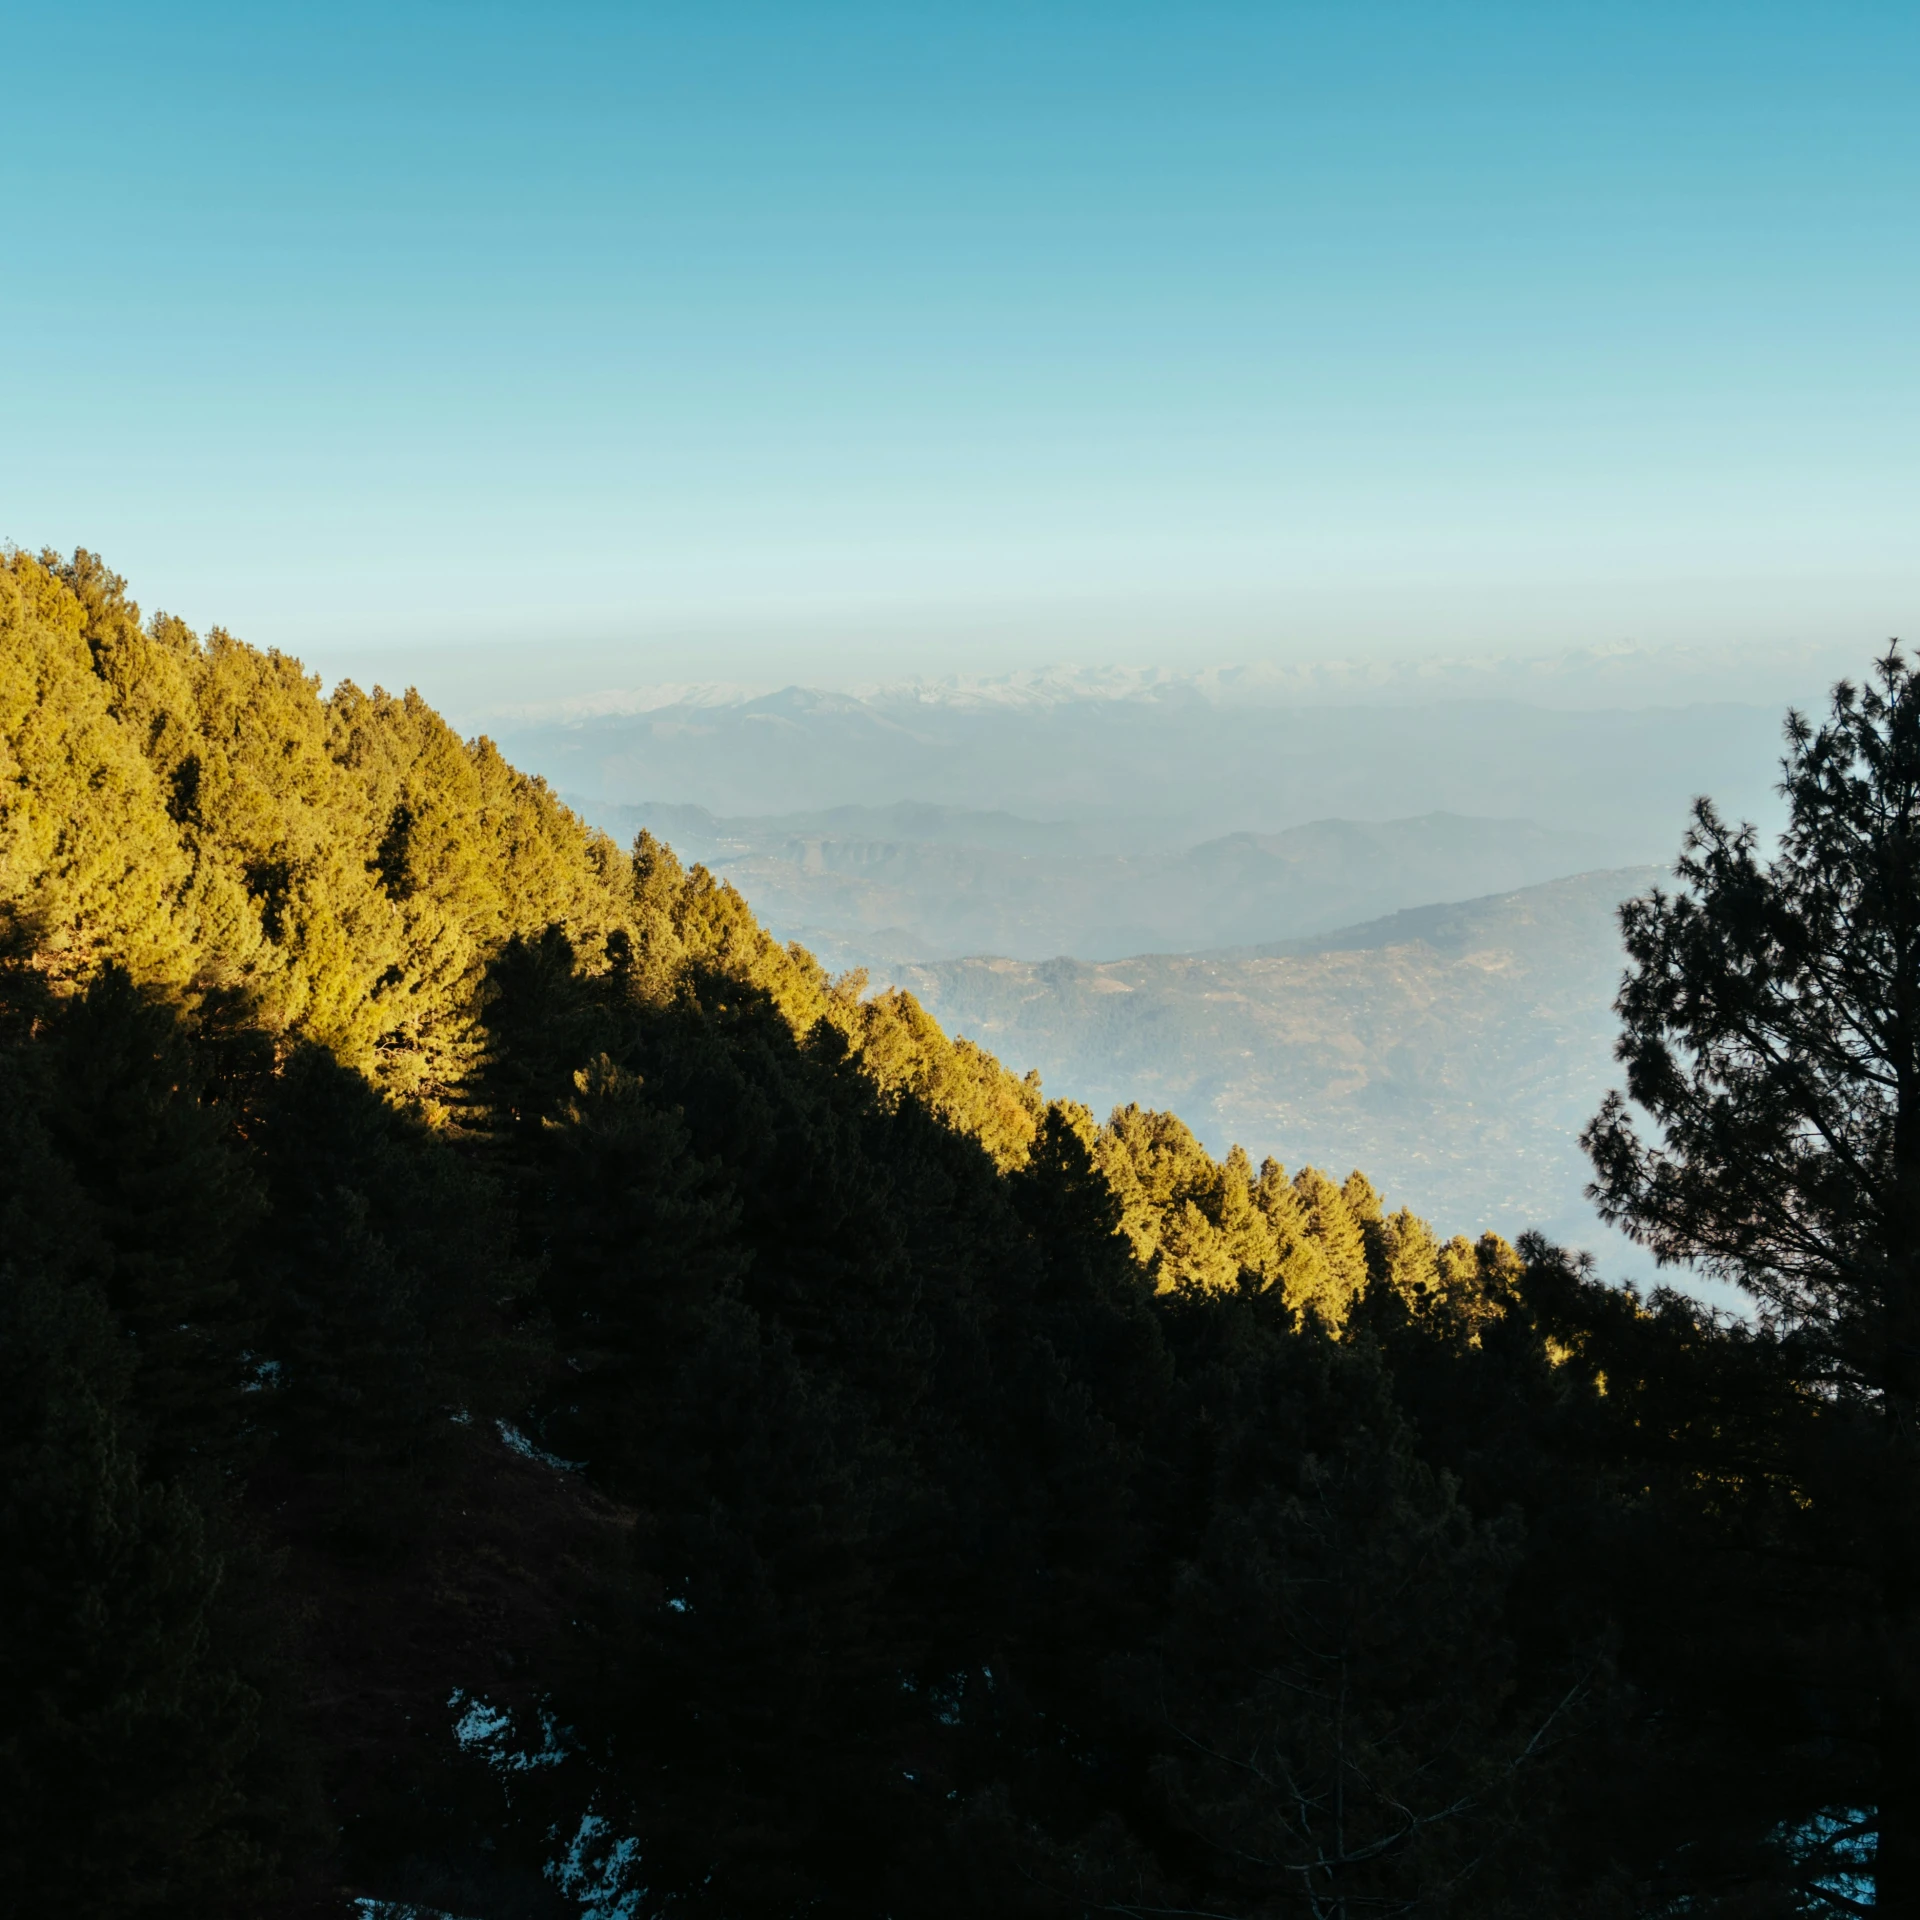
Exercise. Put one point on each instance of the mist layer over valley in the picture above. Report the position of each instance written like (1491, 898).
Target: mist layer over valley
(1368, 934)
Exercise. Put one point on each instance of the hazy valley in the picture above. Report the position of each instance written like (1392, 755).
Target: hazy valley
(1274, 990)
(1457, 1049)
(1118, 889)
(875, 886)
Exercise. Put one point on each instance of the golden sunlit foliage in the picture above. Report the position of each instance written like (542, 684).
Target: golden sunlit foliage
(198, 812)
(1200, 1223)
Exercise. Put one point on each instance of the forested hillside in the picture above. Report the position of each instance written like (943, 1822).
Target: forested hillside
(520, 1395)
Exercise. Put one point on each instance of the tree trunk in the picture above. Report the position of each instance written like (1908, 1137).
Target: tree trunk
(1897, 1873)
(1897, 1870)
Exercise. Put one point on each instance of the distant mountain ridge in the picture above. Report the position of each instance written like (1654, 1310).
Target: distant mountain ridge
(873, 886)
(1623, 673)
(1174, 771)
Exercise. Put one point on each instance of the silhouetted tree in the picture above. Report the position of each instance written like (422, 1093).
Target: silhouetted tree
(1772, 1033)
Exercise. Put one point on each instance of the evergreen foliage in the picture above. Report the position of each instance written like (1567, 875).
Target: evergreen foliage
(520, 1395)
(1772, 1032)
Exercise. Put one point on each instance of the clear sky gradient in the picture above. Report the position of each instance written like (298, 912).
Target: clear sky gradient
(801, 339)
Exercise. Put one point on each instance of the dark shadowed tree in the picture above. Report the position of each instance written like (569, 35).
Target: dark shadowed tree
(1771, 1021)
(126, 1727)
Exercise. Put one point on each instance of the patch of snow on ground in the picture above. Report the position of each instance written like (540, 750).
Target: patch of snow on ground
(517, 1442)
(598, 1870)
(485, 1729)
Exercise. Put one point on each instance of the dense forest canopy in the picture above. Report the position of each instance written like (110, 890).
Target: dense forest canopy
(524, 1396)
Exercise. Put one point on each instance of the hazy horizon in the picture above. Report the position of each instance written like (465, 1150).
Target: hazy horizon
(806, 344)
(562, 683)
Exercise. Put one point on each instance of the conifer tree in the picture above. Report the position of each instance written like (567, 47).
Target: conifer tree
(1771, 1030)
(1340, 1238)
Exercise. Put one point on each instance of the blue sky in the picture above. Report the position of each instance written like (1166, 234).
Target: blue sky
(802, 340)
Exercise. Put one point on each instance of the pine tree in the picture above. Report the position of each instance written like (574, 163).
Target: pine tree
(1340, 1239)
(1771, 1029)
